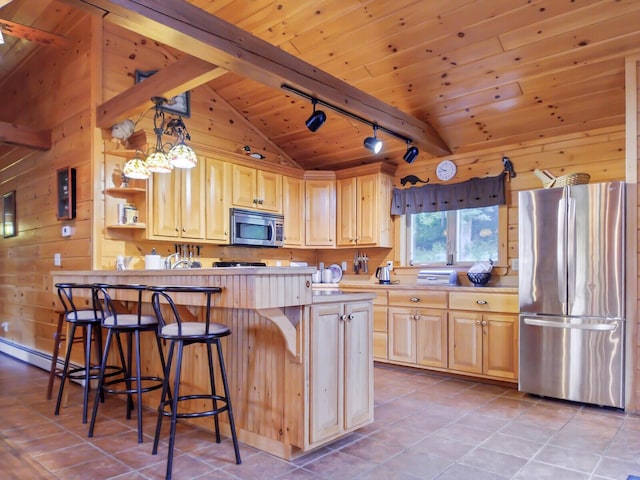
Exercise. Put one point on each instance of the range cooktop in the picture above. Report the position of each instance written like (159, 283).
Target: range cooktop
(232, 263)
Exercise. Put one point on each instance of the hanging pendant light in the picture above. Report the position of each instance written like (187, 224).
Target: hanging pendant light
(136, 168)
(181, 155)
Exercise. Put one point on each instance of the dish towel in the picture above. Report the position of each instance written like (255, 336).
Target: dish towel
(633, 477)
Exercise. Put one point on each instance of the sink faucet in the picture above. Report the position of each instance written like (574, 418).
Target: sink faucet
(181, 264)
(167, 261)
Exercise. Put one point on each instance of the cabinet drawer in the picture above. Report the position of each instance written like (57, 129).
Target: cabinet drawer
(418, 298)
(380, 295)
(484, 302)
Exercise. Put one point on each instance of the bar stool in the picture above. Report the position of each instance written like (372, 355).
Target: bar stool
(87, 319)
(130, 324)
(181, 333)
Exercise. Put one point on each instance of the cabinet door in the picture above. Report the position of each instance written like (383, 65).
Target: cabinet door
(347, 221)
(326, 371)
(292, 208)
(243, 186)
(500, 345)
(269, 191)
(369, 214)
(358, 364)
(465, 341)
(402, 335)
(192, 204)
(218, 191)
(165, 204)
(431, 338)
(320, 211)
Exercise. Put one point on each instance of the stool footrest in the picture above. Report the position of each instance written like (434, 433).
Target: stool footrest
(79, 373)
(162, 409)
(133, 380)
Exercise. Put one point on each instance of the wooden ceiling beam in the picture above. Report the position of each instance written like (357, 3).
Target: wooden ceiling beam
(182, 75)
(191, 30)
(12, 134)
(33, 34)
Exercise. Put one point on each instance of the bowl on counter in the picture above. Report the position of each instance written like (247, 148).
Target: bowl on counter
(479, 279)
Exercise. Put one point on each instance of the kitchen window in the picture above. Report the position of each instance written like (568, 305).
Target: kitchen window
(457, 237)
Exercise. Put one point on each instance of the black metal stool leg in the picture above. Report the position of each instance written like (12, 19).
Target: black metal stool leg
(213, 392)
(103, 366)
(174, 410)
(65, 368)
(225, 384)
(138, 384)
(87, 370)
(163, 398)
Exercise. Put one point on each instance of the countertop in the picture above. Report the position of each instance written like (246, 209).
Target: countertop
(415, 286)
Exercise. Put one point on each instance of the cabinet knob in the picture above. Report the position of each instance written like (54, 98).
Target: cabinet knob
(484, 323)
(414, 299)
(481, 302)
(350, 316)
(478, 322)
(416, 317)
(343, 317)
(177, 229)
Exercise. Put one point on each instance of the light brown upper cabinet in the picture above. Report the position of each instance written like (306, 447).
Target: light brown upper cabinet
(293, 210)
(256, 189)
(320, 212)
(177, 208)
(217, 195)
(364, 205)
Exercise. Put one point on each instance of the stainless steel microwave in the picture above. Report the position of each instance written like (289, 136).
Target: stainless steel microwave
(256, 229)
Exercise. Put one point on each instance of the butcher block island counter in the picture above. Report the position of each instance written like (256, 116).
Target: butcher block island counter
(300, 364)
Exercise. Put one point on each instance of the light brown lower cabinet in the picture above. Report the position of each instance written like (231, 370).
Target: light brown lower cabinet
(484, 343)
(340, 369)
(418, 336)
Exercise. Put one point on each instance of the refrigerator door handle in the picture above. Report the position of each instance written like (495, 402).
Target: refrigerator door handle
(579, 326)
(562, 253)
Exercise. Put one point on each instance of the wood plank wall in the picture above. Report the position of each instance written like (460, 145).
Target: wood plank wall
(52, 91)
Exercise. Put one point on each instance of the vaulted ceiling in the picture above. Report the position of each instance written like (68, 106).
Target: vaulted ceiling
(451, 75)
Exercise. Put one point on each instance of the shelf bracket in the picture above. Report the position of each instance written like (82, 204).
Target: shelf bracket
(288, 326)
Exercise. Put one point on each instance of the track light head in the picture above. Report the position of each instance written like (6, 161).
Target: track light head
(372, 143)
(411, 153)
(317, 118)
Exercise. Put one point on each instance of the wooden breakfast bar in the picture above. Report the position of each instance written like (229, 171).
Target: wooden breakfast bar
(300, 363)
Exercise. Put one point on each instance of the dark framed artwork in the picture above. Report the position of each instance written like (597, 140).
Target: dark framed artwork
(178, 105)
(66, 201)
(9, 225)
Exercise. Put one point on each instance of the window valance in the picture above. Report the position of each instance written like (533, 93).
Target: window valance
(475, 192)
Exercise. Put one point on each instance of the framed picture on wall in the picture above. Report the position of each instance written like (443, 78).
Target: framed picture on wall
(179, 105)
(9, 226)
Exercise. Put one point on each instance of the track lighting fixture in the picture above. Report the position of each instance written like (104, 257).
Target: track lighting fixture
(373, 143)
(317, 118)
(411, 153)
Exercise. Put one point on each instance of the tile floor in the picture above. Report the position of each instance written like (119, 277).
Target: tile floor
(426, 427)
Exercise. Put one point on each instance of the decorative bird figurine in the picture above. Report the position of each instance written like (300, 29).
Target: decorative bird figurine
(508, 167)
(121, 131)
(412, 179)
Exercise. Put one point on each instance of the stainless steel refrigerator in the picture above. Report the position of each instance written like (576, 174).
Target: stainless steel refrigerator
(571, 288)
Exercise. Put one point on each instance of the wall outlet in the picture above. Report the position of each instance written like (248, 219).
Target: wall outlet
(57, 259)
(5, 326)
(515, 264)
(344, 266)
(66, 231)
(390, 264)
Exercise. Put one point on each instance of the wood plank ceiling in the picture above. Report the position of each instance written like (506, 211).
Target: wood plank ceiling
(482, 73)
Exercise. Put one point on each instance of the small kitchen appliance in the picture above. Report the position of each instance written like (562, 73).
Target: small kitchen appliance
(256, 229)
(383, 275)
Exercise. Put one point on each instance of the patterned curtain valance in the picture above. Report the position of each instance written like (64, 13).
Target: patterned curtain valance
(476, 192)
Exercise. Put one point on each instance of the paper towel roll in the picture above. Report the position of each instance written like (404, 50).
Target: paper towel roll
(152, 262)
